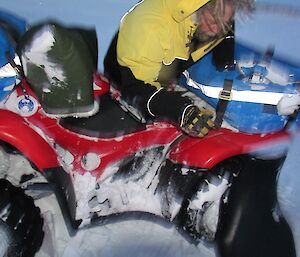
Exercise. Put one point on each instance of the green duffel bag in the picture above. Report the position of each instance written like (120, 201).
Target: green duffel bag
(59, 63)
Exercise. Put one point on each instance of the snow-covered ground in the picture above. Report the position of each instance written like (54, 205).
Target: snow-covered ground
(141, 236)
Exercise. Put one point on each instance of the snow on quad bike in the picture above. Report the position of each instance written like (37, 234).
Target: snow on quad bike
(221, 187)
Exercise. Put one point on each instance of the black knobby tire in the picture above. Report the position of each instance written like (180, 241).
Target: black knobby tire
(193, 221)
(195, 218)
(21, 219)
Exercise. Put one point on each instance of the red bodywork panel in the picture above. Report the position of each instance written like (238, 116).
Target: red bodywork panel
(110, 150)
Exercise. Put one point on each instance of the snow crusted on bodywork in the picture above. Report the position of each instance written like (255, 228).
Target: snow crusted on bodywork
(83, 185)
(36, 53)
(121, 190)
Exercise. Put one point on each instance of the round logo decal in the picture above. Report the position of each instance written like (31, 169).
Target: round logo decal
(27, 105)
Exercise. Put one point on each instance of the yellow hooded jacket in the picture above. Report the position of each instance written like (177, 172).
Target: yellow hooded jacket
(156, 32)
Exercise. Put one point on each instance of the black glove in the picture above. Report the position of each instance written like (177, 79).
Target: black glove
(196, 122)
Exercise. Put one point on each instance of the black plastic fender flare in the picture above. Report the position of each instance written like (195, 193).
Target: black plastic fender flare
(251, 224)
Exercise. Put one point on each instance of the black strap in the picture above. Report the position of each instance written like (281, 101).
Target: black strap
(224, 98)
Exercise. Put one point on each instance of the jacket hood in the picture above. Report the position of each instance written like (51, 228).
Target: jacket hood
(181, 9)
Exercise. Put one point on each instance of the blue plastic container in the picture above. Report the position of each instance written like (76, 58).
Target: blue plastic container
(257, 87)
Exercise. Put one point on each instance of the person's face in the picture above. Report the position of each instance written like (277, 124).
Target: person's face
(210, 27)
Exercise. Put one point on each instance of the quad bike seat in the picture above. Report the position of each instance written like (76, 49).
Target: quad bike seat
(110, 121)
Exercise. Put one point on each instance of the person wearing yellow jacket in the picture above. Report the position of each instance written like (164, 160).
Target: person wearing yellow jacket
(156, 41)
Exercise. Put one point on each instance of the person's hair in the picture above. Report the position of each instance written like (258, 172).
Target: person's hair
(217, 8)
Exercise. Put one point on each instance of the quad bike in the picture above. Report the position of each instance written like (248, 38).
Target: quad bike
(221, 187)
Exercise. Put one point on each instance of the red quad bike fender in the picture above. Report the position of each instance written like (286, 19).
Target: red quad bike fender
(220, 145)
(17, 132)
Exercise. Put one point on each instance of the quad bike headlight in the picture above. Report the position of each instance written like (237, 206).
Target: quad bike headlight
(90, 161)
